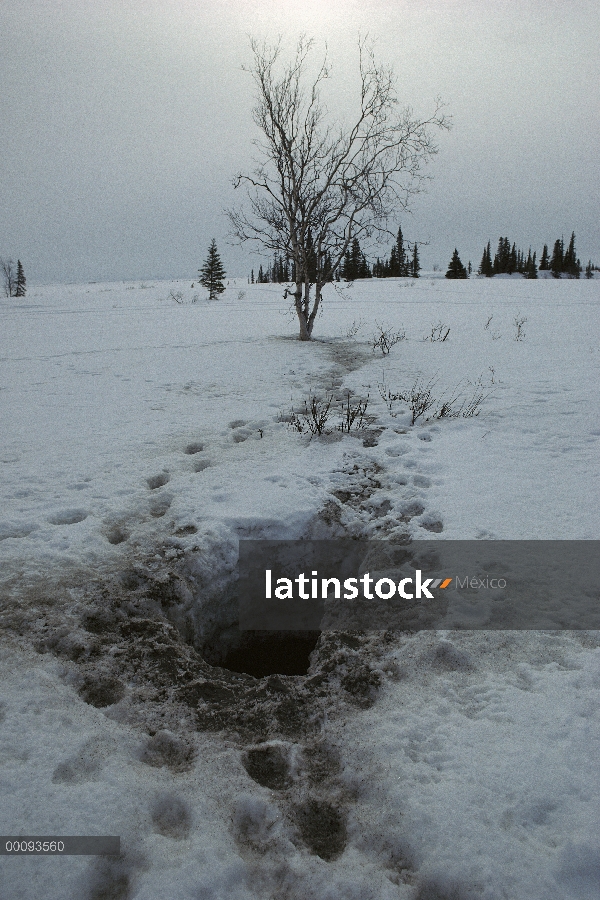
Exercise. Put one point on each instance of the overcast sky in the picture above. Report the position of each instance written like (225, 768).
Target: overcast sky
(123, 123)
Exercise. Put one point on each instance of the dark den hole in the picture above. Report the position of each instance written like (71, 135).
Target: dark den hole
(263, 653)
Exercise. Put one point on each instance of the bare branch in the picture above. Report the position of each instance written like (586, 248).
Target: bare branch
(317, 186)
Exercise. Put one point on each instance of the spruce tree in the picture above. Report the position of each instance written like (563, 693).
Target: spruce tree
(571, 264)
(530, 268)
(355, 255)
(20, 291)
(500, 258)
(588, 270)
(544, 264)
(485, 266)
(456, 268)
(401, 258)
(347, 267)
(415, 265)
(557, 261)
(489, 266)
(481, 269)
(352, 262)
(363, 267)
(212, 272)
(311, 258)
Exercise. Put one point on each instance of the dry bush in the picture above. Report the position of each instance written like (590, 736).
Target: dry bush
(384, 338)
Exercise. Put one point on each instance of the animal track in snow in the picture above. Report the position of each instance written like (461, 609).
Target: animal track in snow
(396, 451)
(160, 505)
(157, 481)
(83, 766)
(268, 765)
(171, 816)
(101, 690)
(194, 447)
(116, 534)
(15, 531)
(410, 510)
(166, 749)
(421, 481)
(322, 826)
(68, 517)
(433, 525)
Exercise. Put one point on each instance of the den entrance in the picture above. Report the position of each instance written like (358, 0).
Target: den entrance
(264, 653)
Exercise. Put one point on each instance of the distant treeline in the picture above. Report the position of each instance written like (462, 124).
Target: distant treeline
(404, 263)
(508, 260)
(401, 263)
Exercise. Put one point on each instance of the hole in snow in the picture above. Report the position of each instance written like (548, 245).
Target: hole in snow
(263, 653)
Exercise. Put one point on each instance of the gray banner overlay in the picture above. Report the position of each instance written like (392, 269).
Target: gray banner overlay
(513, 585)
(59, 845)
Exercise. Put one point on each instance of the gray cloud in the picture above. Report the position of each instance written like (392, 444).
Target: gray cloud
(123, 124)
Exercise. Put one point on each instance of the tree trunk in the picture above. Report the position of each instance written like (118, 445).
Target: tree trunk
(304, 332)
(302, 310)
(315, 309)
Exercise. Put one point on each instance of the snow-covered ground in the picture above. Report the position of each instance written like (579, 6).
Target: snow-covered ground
(142, 437)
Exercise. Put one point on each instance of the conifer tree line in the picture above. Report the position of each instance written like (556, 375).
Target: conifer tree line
(508, 260)
(15, 283)
(282, 269)
(403, 263)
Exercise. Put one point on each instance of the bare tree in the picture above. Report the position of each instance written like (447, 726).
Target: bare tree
(7, 269)
(318, 185)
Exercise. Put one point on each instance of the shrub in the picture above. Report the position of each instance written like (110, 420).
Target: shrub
(439, 332)
(519, 322)
(420, 399)
(384, 339)
(314, 416)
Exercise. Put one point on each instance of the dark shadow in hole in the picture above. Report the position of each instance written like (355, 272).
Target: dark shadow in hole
(262, 653)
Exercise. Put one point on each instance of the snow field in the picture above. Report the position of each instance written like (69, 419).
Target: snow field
(142, 438)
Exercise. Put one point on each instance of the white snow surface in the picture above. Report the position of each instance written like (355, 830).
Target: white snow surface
(141, 430)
